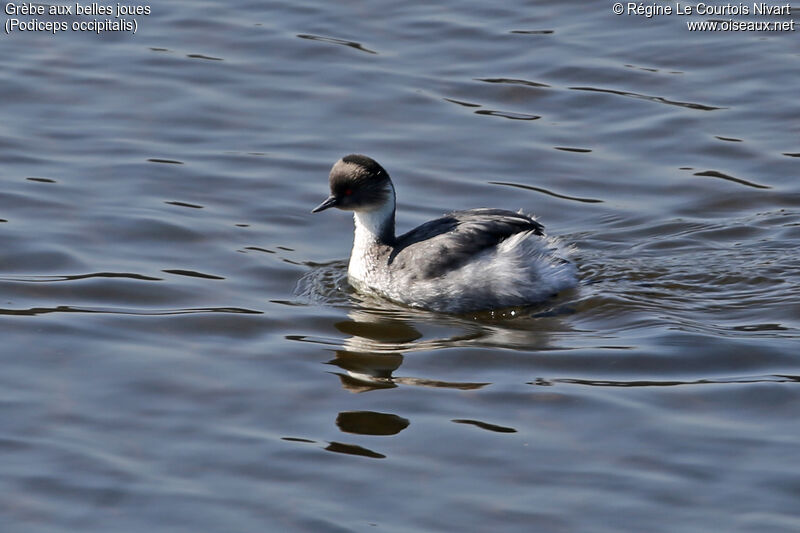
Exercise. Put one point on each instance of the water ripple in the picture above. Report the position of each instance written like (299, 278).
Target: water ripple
(659, 99)
(508, 114)
(545, 191)
(191, 274)
(717, 174)
(493, 112)
(777, 378)
(353, 449)
(352, 44)
(532, 32)
(571, 149)
(75, 277)
(201, 56)
(34, 311)
(513, 81)
(485, 425)
(184, 204)
(165, 161)
(461, 102)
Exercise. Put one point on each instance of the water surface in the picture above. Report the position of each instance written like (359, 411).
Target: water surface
(181, 350)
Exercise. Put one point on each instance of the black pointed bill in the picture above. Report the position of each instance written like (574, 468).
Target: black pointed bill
(329, 202)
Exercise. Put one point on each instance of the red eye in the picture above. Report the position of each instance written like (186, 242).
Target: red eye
(348, 192)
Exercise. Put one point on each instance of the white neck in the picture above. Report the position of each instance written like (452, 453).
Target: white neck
(372, 225)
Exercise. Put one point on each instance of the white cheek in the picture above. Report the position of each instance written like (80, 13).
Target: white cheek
(374, 221)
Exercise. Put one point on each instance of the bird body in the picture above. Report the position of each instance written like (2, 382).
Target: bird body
(469, 260)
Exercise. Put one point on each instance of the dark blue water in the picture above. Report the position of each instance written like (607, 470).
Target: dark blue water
(180, 349)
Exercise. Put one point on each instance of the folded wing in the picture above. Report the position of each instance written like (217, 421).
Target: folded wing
(457, 237)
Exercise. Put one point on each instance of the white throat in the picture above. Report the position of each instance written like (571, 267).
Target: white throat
(370, 225)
